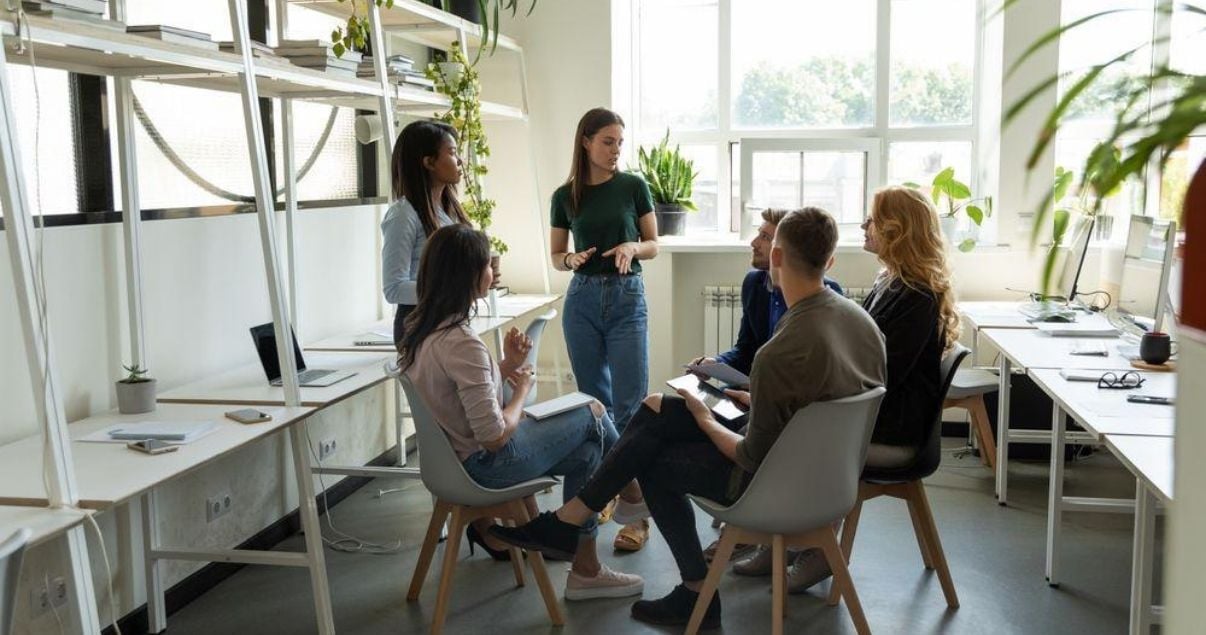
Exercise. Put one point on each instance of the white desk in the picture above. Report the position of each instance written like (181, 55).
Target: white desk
(345, 342)
(42, 522)
(516, 304)
(1032, 349)
(249, 386)
(1150, 459)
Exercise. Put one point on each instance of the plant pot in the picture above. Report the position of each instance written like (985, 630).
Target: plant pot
(451, 71)
(136, 397)
(496, 267)
(950, 229)
(671, 220)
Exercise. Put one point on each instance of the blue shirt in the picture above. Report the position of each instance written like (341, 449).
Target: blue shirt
(402, 245)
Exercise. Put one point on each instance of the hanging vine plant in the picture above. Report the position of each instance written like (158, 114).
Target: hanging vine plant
(354, 35)
(457, 79)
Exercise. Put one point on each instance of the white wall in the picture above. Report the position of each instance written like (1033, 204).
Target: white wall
(204, 285)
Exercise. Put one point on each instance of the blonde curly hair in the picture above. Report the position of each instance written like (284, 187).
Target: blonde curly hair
(912, 250)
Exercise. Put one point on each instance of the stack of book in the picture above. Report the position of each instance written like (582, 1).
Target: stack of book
(258, 49)
(395, 66)
(82, 11)
(320, 55)
(174, 35)
(417, 79)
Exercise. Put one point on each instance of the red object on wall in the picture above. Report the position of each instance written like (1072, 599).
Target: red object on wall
(1193, 280)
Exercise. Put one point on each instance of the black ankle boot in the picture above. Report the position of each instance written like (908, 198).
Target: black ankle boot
(675, 609)
(546, 533)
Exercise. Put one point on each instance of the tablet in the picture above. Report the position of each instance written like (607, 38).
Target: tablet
(721, 406)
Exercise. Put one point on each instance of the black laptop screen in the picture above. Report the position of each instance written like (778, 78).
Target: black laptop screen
(265, 346)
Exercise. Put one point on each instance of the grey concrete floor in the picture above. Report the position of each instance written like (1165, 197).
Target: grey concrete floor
(996, 557)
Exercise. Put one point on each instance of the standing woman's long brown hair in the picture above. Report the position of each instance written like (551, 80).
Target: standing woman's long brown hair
(592, 122)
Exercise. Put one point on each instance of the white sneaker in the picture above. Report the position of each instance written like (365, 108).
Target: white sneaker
(627, 513)
(607, 584)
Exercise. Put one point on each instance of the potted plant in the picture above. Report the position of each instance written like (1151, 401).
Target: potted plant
(354, 34)
(136, 392)
(670, 176)
(465, 115)
(1141, 137)
(953, 198)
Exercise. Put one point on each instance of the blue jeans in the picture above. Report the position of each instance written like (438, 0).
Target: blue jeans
(571, 444)
(606, 327)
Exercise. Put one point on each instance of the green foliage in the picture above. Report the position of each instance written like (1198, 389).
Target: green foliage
(354, 35)
(465, 115)
(491, 12)
(951, 196)
(670, 175)
(137, 375)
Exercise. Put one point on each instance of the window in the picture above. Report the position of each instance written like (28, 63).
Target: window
(851, 110)
(44, 130)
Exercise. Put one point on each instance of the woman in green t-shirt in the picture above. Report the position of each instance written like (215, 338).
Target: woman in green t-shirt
(605, 320)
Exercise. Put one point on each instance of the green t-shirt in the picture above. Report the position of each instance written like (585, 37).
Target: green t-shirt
(607, 217)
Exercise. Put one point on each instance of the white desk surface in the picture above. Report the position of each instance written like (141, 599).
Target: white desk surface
(516, 304)
(1150, 459)
(249, 386)
(1108, 411)
(1035, 349)
(993, 315)
(42, 522)
(109, 473)
(346, 342)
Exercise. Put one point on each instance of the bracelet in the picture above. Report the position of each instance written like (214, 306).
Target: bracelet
(565, 261)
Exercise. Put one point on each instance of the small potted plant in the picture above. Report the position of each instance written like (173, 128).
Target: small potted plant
(670, 176)
(135, 393)
(953, 197)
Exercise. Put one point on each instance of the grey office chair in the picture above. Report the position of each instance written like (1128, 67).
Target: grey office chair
(459, 496)
(905, 482)
(967, 392)
(535, 331)
(11, 552)
(807, 483)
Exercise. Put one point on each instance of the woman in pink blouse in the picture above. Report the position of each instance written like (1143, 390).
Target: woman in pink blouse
(452, 370)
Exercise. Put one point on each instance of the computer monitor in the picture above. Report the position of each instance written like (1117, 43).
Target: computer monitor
(1073, 246)
(1147, 260)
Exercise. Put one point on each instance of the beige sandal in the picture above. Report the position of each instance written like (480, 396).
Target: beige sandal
(605, 515)
(632, 537)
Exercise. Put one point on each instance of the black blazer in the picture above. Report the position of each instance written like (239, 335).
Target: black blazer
(755, 319)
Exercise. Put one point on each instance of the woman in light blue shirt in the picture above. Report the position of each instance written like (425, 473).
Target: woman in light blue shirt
(426, 170)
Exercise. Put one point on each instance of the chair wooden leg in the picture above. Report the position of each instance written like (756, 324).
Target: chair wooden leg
(720, 562)
(849, 527)
(979, 418)
(516, 560)
(451, 548)
(540, 572)
(779, 586)
(843, 581)
(438, 516)
(917, 493)
(920, 532)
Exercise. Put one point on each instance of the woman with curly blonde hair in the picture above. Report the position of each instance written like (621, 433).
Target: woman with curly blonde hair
(914, 305)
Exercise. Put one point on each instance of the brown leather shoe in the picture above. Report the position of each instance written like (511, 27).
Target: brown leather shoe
(740, 551)
(809, 569)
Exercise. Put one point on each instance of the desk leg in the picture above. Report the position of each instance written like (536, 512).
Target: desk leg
(1141, 561)
(1055, 498)
(156, 615)
(1003, 429)
(399, 417)
(308, 510)
(81, 578)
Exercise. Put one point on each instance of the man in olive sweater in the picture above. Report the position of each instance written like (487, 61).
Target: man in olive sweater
(824, 348)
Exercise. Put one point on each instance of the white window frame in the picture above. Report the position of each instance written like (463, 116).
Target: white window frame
(726, 134)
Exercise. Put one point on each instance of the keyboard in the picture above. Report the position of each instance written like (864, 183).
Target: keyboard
(1045, 310)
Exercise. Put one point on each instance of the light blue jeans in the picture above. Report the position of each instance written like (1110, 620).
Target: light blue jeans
(606, 327)
(571, 445)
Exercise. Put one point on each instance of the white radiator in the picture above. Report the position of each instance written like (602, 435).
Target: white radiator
(722, 315)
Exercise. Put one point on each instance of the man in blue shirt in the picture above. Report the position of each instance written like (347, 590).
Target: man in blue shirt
(762, 304)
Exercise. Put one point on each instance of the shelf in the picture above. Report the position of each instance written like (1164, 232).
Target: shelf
(416, 21)
(96, 50)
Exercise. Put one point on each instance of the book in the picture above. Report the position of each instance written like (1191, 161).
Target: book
(257, 49)
(721, 372)
(166, 36)
(69, 15)
(717, 402)
(163, 28)
(173, 431)
(554, 407)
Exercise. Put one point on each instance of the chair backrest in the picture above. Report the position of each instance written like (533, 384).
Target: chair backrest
(534, 332)
(11, 552)
(810, 476)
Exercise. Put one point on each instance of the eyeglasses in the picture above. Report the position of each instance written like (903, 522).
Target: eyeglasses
(1125, 381)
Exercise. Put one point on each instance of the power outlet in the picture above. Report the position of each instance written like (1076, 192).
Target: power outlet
(42, 598)
(217, 506)
(327, 447)
(58, 592)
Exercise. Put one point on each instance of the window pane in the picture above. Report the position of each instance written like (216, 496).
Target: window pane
(209, 16)
(51, 180)
(332, 170)
(1098, 41)
(705, 192)
(678, 84)
(1187, 48)
(1177, 174)
(803, 64)
(833, 181)
(1070, 154)
(919, 161)
(776, 179)
(931, 81)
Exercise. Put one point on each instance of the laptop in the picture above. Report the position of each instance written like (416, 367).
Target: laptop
(265, 345)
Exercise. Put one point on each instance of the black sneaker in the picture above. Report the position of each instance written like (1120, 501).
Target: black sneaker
(546, 533)
(675, 609)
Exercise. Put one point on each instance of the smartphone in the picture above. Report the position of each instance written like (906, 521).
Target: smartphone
(152, 446)
(248, 415)
(720, 405)
(1151, 399)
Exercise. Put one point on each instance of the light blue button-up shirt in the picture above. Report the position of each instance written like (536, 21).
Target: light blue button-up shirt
(402, 246)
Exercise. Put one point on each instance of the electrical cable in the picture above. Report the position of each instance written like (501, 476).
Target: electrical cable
(346, 543)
